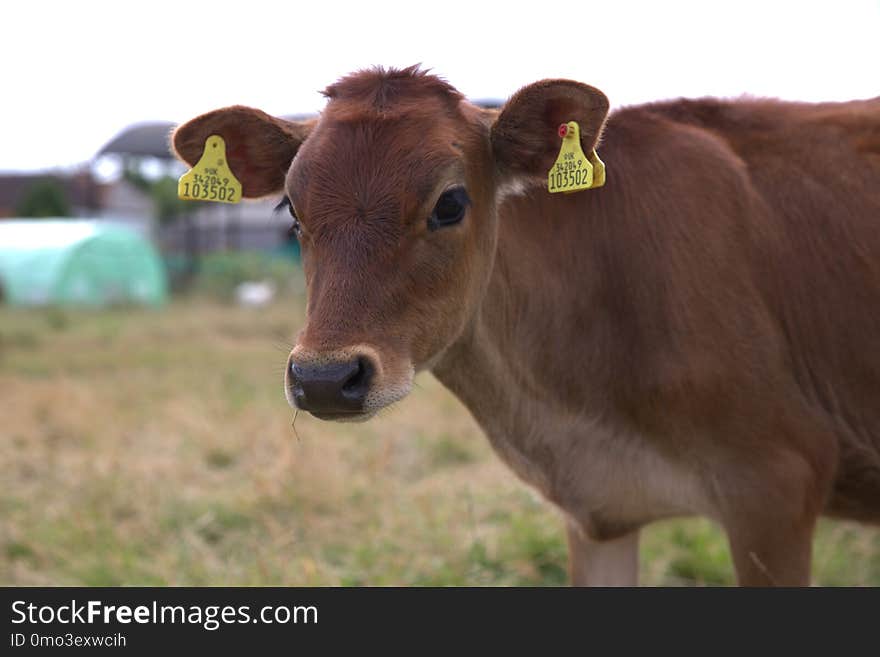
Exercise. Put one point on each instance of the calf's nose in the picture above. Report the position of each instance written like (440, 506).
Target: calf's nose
(331, 388)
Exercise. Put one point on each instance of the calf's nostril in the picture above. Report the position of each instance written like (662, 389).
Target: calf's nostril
(358, 383)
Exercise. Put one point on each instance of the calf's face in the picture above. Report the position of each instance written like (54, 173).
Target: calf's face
(393, 194)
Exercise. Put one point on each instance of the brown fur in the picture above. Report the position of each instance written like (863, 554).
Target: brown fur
(699, 336)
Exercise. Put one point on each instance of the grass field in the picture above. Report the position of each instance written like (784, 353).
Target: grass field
(155, 448)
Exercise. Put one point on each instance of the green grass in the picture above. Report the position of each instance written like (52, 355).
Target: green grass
(155, 447)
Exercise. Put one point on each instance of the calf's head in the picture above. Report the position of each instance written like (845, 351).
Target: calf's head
(394, 192)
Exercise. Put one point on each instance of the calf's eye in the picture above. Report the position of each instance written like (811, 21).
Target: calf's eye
(295, 228)
(450, 208)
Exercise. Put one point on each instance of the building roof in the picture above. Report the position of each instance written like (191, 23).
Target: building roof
(142, 139)
(149, 139)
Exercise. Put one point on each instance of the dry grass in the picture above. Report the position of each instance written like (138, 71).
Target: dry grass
(147, 447)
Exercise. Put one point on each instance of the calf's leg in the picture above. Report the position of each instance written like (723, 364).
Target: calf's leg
(769, 513)
(602, 563)
(772, 551)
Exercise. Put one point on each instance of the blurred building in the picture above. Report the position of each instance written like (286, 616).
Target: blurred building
(200, 227)
(80, 189)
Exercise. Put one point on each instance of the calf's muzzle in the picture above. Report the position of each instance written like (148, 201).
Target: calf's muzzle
(334, 388)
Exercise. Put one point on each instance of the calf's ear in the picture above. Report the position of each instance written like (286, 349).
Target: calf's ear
(259, 147)
(525, 137)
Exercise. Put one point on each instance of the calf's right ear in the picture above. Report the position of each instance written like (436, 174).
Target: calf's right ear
(525, 137)
(259, 147)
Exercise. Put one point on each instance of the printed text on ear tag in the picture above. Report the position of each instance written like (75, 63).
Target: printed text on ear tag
(573, 171)
(211, 178)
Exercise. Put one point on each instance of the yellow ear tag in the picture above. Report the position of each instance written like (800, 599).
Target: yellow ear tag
(598, 169)
(211, 178)
(573, 171)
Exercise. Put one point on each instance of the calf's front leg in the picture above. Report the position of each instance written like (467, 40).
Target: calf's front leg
(769, 517)
(602, 563)
(772, 551)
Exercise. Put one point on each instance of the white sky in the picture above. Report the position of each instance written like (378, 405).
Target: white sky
(75, 73)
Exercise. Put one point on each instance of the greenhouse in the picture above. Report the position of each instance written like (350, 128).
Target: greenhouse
(77, 263)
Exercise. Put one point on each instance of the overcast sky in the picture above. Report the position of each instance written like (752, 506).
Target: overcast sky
(77, 73)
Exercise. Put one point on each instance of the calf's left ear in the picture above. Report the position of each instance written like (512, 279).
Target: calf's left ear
(525, 137)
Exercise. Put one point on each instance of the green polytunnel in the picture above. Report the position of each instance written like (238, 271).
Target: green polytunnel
(78, 263)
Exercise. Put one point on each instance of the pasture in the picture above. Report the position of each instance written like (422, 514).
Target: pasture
(155, 448)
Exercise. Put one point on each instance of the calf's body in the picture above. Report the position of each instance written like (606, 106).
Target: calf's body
(699, 336)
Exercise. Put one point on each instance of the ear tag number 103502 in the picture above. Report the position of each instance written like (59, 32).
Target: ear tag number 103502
(211, 178)
(573, 171)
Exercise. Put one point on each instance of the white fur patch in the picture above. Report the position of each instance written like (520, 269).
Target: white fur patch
(515, 186)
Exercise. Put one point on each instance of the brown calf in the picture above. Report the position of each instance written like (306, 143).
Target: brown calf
(699, 336)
